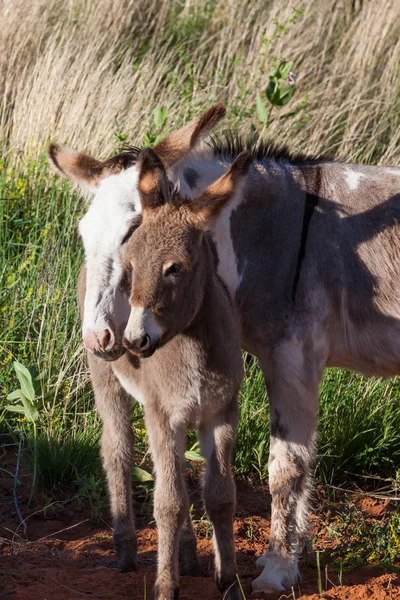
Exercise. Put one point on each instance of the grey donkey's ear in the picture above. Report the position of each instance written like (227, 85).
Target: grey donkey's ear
(154, 187)
(178, 144)
(204, 209)
(82, 169)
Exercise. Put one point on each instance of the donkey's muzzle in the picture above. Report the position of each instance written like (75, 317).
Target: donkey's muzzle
(142, 347)
(103, 344)
(110, 355)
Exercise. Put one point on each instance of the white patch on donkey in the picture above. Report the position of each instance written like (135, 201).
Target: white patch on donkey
(115, 203)
(227, 266)
(353, 178)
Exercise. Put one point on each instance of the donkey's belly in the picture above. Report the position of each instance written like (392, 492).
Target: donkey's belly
(373, 350)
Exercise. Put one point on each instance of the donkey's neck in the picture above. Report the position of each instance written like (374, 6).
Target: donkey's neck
(267, 179)
(216, 314)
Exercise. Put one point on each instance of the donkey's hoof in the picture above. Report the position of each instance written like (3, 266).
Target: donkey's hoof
(191, 569)
(126, 549)
(278, 575)
(230, 591)
(127, 566)
(261, 561)
(162, 592)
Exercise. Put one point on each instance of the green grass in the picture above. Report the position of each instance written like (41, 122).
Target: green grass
(40, 259)
(359, 539)
(358, 427)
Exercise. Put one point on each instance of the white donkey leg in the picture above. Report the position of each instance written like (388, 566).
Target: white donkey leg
(292, 381)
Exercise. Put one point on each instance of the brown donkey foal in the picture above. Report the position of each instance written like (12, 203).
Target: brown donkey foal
(183, 343)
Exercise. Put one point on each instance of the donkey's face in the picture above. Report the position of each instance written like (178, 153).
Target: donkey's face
(167, 258)
(163, 257)
(112, 188)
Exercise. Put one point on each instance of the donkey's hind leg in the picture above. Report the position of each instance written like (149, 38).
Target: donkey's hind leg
(292, 380)
(114, 406)
(217, 440)
(188, 558)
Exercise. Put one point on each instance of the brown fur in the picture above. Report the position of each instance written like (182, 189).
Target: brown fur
(206, 208)
(177, 144)
(193, 377)
(153, 184)
(76, 165)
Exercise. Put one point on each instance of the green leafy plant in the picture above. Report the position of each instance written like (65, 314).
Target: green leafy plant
(362, 540)
(142, 474)
(92, 491)
(28, 407)
(120, 138)
(151, 137)
(160, 116)
(193, 455)
(279, 92)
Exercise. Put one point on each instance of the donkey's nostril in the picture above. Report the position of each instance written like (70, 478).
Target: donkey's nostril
(104, 338)
(145, 342)
(107, 338)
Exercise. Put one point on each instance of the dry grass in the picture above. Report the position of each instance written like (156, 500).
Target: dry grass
(80, 70)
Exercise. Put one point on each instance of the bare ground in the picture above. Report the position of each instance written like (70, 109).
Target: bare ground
(68, 556)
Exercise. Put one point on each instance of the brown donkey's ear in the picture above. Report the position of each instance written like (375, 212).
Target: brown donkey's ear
(82, 169)
(154, 186)
(178, 144)
(206, 208)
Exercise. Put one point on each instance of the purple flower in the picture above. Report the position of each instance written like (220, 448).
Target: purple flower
(291, 78)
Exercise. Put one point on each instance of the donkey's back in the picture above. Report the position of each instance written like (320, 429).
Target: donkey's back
(351, 266)
(322, 248)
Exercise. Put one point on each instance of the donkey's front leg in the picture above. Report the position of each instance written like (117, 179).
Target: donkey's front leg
(171, 503)
(292, 382)
(217, 440)
(114, 406)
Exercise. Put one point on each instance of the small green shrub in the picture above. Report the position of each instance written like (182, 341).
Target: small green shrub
(361, 540)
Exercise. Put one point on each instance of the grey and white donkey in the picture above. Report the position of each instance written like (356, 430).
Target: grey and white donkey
(309, 250)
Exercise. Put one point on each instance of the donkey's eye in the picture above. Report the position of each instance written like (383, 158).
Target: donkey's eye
(173, 269)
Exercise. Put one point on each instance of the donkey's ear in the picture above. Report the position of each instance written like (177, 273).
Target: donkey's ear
(178, 144)
(82, 169)
(204, 209)
(154, 186)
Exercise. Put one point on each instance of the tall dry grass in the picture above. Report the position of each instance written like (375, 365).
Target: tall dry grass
(79, 70)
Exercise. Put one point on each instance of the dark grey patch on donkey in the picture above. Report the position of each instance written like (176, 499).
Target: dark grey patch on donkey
(278, 429)
(191, 177)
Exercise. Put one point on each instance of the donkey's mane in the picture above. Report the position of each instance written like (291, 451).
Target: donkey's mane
(231, 144)
(128, 156)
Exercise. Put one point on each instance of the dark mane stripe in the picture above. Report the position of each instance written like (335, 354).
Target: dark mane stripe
(127, 157)
(230, 144)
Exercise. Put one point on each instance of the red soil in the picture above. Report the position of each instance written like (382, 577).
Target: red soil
(68, 557)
